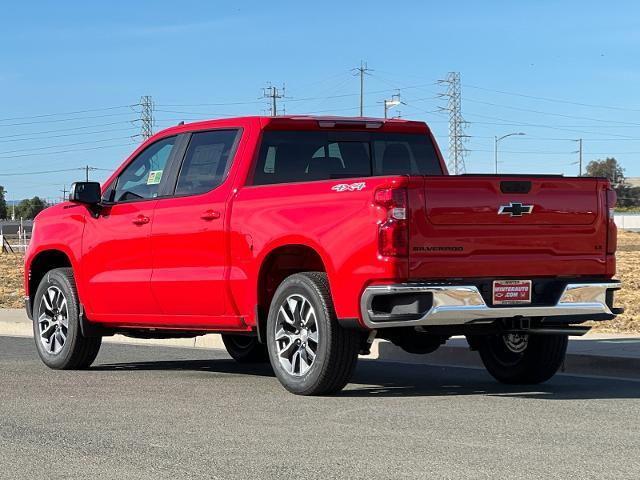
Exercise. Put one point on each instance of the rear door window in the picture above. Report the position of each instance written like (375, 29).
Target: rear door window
(298, 156)
(206, 161)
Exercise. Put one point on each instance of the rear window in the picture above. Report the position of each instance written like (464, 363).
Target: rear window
(298, 156)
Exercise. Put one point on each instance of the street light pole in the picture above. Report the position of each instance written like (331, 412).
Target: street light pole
(495, 150)
(388, 104)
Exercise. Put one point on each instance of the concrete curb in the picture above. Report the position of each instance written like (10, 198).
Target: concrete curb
(24, 329)
(455, 353)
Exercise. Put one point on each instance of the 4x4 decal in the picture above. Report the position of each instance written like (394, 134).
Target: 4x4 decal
(349, 187)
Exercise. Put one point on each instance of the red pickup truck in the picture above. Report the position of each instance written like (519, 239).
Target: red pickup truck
(301, 239)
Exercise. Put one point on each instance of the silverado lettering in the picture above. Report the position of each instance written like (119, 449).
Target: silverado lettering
(437, 249)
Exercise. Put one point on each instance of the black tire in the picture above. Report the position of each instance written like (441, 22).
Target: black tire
(336, 352)
(536, 363)
(245, 348)
(77, 352)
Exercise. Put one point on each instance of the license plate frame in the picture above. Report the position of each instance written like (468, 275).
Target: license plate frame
(511, 292)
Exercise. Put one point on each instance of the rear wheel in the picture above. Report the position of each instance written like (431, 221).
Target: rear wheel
(521, 358)
(56, 323)
(245, 348)
(309, 351)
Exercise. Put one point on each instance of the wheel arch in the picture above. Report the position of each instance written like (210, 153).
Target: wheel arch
(277, 264)
(40, 264)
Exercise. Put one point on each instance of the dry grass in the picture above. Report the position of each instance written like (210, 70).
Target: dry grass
(11, 291)
(628, 270)
(11, 279)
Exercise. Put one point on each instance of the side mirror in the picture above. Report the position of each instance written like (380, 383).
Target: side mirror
(85, 192)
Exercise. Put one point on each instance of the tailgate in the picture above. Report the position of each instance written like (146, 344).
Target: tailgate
(495, 201)
(503, 226)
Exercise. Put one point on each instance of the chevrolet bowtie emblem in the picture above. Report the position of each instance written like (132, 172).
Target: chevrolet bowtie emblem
(515, 209)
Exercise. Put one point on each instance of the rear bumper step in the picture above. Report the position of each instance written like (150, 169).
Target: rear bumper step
(431, 304)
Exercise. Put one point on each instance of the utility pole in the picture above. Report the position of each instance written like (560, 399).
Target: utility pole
(362, 70)
(64, 193)
(579, 157)
(86, 170)
(457, 136)
(579, 152)
(274, 94)
(146, 117)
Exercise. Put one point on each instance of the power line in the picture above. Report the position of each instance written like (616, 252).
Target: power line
(525, 124)
(29, 139)
(44, 172)
(554, 100)
(84, 127)
(44, 115)
(551, 113)
(197, 113)
(66, 151)
(64, 119)
(65, 145)
(41, 172)
(221, 104)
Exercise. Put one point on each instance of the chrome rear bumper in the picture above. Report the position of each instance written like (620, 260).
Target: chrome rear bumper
(460, 304)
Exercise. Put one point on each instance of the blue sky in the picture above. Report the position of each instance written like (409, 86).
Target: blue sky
(556, 71)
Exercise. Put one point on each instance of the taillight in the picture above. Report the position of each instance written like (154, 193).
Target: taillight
(393, 233)
(612, 230)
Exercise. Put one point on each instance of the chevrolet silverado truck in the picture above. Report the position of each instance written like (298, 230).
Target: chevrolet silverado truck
(301, 239)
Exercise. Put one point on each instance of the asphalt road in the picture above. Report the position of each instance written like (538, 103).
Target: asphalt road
(155, 412)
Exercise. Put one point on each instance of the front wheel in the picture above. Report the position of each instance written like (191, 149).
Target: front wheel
(522, 359)
(309, 351)
(56, 323)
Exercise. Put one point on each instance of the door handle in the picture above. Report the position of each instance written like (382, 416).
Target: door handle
(141, 220)
(210, 215)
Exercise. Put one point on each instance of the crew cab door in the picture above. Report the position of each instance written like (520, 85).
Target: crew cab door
(116, 260)
(189, 241)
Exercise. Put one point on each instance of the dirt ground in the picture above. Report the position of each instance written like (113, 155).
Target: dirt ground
(628, 257)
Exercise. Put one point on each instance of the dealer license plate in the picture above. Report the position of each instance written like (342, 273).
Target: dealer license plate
(511, 292)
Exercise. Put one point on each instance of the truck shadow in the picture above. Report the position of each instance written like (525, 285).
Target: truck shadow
(401, 380)
(384, 379)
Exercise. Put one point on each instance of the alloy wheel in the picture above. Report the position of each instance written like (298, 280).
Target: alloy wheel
(296, 335)
(53, 322)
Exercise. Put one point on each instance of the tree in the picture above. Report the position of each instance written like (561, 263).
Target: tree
(3, 203)
(609, 168)
(628, 196)
(30, 207)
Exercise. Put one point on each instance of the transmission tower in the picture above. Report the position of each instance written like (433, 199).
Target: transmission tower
(274, 94)
(457, 124)
(362, 70)
(146, 117)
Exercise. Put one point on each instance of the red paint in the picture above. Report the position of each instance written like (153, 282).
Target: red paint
(194, 261)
